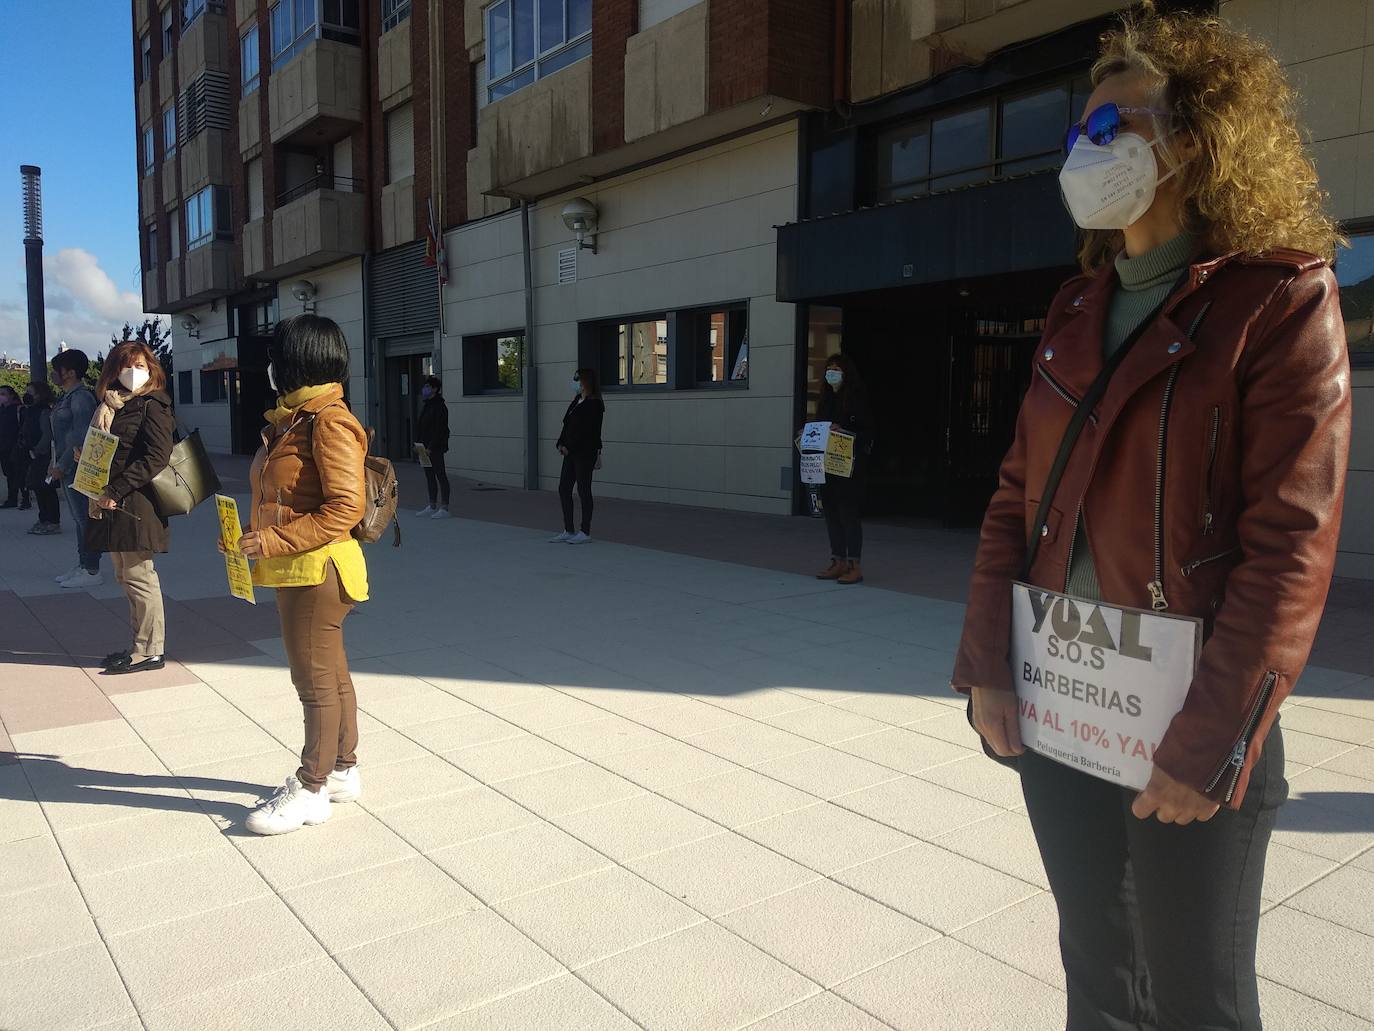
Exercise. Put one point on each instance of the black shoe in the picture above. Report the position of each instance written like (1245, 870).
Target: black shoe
(116, 659)
(156, 662)
(10, 504)
(24, 506)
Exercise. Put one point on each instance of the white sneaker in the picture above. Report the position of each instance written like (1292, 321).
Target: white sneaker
(562, 538)
(426, 513)
(81, 579)
(442, 513)
(68, 574)
(344, 785)
(580, 538)
(290, 809)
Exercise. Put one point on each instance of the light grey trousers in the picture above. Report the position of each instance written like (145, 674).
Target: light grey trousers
(135, 573)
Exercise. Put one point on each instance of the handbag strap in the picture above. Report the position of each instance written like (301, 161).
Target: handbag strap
(1080, 417)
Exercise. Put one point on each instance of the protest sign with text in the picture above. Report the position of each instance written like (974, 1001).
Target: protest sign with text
(236, 565)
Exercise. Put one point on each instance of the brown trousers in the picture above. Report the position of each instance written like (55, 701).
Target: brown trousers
(312, 628)
(135, 573)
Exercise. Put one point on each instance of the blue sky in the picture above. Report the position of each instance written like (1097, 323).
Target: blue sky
(68, 106)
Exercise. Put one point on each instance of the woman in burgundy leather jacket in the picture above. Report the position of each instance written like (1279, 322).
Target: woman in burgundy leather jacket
(1206, 483)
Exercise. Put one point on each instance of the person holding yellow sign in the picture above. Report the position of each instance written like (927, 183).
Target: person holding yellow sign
(308, 495)
(844, 404)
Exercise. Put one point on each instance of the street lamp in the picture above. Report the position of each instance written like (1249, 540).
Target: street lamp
(30, 176)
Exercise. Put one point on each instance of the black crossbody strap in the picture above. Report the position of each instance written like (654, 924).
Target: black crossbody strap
(1081, 414)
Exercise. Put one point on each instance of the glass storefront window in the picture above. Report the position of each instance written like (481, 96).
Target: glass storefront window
(904, 162)
(959, 144)
(1032, 129)
(1355, 275)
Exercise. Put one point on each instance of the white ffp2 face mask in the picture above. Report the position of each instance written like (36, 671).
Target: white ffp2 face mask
(133, 378)
(271, 377)
(1110, 187)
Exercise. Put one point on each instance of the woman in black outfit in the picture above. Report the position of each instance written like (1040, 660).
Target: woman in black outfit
(844, 404)
(580, 446)
(9, 443)
(39, 442)
(432, 433)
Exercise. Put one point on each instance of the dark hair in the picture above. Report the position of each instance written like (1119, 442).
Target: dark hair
(6, 386)
(591, 379)
(435, 382)
(72, 361)
(121, 358)
(308, 351)
(42, 393)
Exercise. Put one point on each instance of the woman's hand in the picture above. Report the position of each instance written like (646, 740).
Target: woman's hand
(77, 452)
(995, 716)
(250, 545)
(54, 473)
(1172, 801)
(563, 451)
(106, 502)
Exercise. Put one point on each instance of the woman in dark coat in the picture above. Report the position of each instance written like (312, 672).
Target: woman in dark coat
(580, 446)
(40, 455)
(844, 404)
(135, 407)
(432, 433)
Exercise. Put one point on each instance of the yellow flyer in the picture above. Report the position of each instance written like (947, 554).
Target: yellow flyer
(839, 454)
(422, 453)
(235, 565)
(93, 471)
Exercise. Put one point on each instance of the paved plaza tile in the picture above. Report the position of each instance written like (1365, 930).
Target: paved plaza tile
(604, 788)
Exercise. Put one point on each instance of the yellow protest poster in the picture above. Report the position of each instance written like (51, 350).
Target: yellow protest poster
(422, 453)
(235, 565)
(93, 470)
(839, 454)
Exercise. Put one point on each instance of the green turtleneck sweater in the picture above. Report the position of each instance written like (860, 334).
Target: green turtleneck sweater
(1145, 282)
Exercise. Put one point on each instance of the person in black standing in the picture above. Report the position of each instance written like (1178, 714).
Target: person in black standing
(432, 433)
(844, 404)
(9, 440)
(39, 441)
(580, 446)
(26, 437)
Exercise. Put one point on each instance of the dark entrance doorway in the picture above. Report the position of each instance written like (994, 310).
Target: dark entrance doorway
(945, 367)
(402, 377)
(252, 395)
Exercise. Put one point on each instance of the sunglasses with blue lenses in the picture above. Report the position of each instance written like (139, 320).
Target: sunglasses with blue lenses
(1103, 124)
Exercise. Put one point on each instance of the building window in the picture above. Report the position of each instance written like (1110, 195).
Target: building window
(394, 12)
(904, 162)
(961, 146)
(298, 23)
(207, 216)
(145, 57)
(400, 143)
(528, 39)
(1031, 129)
(492, 363)
(174, 231)
(1355, 275)
(168, 24)
(149, 151)
(717, 339)
(193, 9)
(214, 387)
(631, 352)
(151, 256)
(248, 61)
(184, 382)
(169, 131)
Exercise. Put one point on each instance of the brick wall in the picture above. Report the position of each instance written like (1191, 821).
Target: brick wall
(423, 107)
(737, 52)
(458, 117)
(369, 141)
(613, 22)
(782, 47)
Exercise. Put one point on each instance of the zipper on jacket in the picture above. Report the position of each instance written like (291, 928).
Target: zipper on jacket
(1193, 566)
(1208, 490)
(279, 506)
(1073, 542)
(1156, 587)
(1060, 390)
(1235, 761)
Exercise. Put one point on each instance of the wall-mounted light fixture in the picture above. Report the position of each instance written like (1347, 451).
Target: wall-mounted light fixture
(579, 215)
(191, 325)
(304, 291)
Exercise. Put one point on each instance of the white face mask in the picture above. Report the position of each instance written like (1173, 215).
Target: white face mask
(1110, 187)
(834, 377)
(133, 378)
(271, 377)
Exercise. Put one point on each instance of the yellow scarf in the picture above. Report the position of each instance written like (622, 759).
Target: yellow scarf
(288, 404)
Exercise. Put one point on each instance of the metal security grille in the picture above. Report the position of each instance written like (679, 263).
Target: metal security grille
(567, 265)
(403, 292)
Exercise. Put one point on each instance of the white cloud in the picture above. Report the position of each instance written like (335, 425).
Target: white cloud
(82, 305)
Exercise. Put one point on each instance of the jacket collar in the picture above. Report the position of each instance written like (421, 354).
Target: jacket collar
(323, 401)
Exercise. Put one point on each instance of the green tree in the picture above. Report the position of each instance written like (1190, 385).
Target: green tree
(509, 356)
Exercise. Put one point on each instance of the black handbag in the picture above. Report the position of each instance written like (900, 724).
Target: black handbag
(1081, 414)
(188, 479)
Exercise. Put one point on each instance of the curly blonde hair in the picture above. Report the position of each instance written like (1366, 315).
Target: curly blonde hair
(1251, 188)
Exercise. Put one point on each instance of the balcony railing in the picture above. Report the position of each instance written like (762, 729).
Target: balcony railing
(323, 181)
